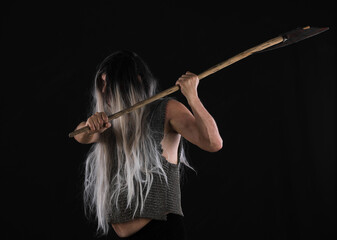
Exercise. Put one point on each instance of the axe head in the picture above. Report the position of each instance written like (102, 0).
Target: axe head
(297, 35)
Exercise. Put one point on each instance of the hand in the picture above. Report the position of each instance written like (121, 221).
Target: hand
(188, 84)
(98, 122)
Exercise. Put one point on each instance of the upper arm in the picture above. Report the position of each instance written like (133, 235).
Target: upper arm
(182, 121)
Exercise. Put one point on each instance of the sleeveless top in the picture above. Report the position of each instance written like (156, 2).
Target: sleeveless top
(164, 197)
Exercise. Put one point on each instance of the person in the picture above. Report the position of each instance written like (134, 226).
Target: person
(132, 171)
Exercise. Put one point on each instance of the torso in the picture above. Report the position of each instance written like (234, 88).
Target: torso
(170, 144)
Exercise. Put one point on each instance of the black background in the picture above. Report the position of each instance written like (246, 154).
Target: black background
(276, 111)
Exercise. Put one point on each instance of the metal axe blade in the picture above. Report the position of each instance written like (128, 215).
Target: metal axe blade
(297, 35)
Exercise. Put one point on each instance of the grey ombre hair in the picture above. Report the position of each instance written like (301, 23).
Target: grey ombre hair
(126, 156)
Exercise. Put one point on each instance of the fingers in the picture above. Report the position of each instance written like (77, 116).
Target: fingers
(188, 76)
(98, 122)
(188, 84)
(91, 124)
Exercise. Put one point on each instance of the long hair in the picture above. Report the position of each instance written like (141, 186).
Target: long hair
(126, 156)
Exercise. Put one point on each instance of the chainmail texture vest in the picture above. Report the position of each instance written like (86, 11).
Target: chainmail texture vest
(163, 198)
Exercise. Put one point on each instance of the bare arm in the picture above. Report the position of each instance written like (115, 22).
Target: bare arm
(198, 128)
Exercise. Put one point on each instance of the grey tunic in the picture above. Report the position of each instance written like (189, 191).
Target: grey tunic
(163, 198)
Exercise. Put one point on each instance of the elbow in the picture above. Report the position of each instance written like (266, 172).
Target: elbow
(215, 146)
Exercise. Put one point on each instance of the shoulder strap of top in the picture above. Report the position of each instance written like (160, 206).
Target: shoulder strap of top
(157, 122)
(157, 115)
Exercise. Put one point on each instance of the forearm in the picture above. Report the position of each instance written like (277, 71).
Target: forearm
(206, 125)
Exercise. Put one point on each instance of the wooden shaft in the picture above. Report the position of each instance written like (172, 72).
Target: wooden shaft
(241, 56)
(132, 108)
(202, 75)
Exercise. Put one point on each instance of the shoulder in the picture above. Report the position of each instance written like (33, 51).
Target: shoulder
(168, 107)
(175, 109)
(178, 115)
(161, 111)
(174, 103)
(173, 106)
(171, 112)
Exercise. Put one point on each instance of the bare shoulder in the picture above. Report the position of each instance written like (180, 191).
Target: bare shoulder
(174, 106)
(178, 115)
(175, 109)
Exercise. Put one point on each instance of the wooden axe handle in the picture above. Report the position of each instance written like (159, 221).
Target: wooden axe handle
(202, 75)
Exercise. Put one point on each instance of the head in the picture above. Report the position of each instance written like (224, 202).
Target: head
(123, 77)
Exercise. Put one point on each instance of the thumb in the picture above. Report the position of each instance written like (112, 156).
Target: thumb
(106, 126)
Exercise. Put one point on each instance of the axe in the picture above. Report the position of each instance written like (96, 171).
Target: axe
(274, 43)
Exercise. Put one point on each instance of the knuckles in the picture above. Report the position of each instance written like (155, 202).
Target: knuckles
(97, 120)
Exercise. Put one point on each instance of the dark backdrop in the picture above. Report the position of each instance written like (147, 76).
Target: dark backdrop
(276, 111)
